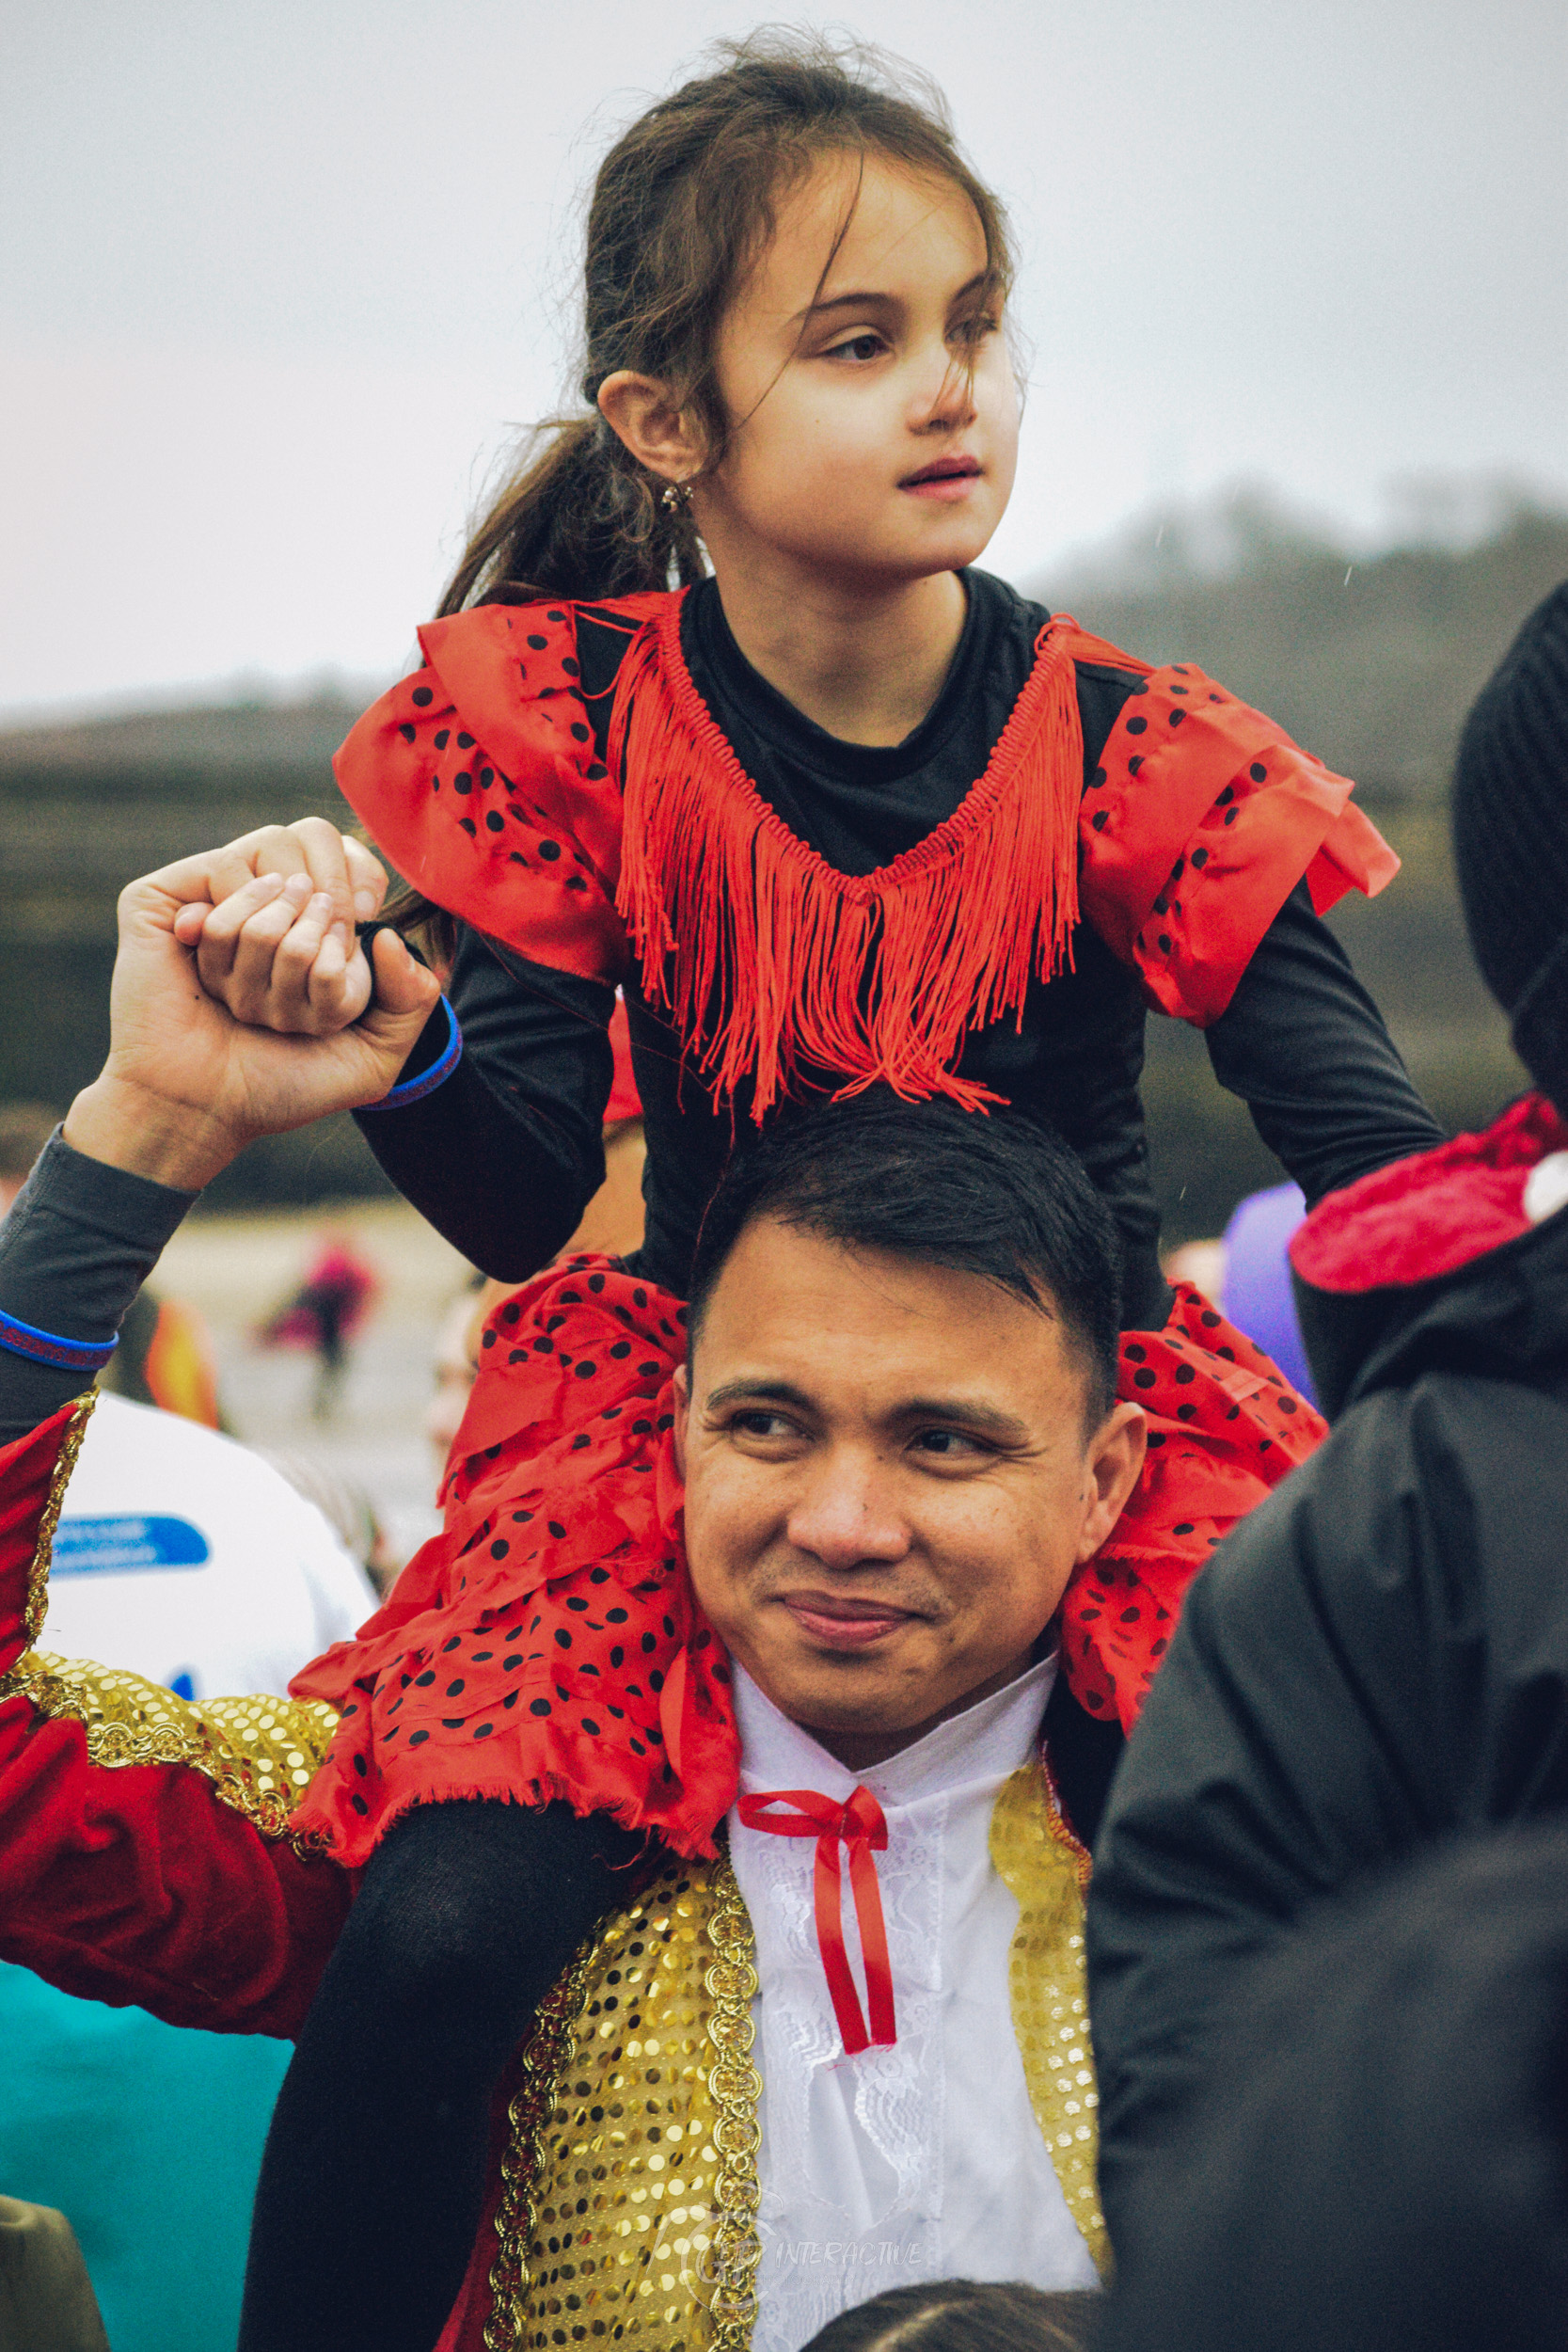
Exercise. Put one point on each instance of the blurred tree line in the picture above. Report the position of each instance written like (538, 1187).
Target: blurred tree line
(1371, 663)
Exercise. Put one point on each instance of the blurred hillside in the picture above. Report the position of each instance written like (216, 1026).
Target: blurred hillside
(1371, 662)
(1372, 665)
(85, 807)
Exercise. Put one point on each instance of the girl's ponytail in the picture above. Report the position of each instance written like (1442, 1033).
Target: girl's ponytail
(580, 519)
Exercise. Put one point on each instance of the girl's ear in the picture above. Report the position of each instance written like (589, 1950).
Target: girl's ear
(640, 412)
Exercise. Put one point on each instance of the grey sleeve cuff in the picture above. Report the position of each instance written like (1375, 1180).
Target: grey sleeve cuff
(79, 1241)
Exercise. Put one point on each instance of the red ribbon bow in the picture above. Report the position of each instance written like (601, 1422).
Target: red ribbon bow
(859, 1824)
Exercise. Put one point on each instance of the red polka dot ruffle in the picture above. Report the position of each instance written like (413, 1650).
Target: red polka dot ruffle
(546, 1643)
(1224, 1426)
(479, 778)
(1199, 821)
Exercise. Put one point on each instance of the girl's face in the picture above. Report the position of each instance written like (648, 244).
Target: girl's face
(875, 411)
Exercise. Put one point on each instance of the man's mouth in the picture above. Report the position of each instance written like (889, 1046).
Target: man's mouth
(842, 1623)
(943, 477)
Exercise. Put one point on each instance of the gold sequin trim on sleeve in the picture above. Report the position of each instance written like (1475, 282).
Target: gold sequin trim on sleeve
(1037, 1857)
(629, 2209)
(259, 1754)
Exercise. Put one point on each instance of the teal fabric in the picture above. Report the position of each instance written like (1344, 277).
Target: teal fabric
(149, 2138)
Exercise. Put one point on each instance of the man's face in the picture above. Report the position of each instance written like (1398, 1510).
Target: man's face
(888, 1482)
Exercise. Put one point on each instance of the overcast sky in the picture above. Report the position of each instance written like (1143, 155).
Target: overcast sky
(274, 281)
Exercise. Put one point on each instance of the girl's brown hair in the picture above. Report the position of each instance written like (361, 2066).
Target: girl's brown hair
(682, 203)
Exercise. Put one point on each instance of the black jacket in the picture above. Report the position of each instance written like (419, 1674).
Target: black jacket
(1377, 1657)
(1396, 2181)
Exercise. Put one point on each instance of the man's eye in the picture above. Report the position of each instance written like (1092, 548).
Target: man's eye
(949, 1444)
(761, 1425)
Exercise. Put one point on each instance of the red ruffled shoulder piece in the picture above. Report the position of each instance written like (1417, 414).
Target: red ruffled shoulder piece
(1198, 822)
(478, 777)
(1430, 1215)
(1224, 1426)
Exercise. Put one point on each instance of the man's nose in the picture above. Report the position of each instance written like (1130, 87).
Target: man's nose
(847, 1515)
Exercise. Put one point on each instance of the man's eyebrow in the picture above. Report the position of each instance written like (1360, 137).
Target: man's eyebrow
(867, 299)
(967, 1412)
(774, 1392)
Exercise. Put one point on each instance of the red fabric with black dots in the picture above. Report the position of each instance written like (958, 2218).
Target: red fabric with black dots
(1224, 1426)
(479, 778)
(547, 1643)
(1426, 1216)
(1196, 825)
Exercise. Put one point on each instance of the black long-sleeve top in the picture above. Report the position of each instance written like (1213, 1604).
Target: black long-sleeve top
(504, 1157)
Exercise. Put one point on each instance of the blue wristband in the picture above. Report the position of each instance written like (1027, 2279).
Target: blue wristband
(47, 1347)
(414, 1089)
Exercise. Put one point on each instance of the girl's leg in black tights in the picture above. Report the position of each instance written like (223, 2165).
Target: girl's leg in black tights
(374, 2176)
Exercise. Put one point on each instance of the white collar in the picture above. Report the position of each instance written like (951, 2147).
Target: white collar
(984, 1743)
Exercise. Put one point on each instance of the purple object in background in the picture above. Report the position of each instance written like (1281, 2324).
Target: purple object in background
(1257, 1298)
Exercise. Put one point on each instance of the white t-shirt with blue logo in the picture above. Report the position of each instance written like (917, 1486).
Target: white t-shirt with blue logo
(183, 1557)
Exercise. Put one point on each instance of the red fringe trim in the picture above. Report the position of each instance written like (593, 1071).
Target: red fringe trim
(770, 963)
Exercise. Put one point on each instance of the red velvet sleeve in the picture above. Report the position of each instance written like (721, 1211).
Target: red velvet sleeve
(134, 1881)
(480, 779)
(1198, 822)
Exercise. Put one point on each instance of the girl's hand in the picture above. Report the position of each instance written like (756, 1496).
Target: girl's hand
(291, 963)
(187, 1085)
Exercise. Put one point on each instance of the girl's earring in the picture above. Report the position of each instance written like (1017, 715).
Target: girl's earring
(676, 495)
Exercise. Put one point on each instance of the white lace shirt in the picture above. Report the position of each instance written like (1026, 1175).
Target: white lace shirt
(922, 2160)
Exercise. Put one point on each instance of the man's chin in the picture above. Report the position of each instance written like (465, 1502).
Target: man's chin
(874, 1688)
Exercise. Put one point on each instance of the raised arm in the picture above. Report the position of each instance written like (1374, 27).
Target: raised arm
(144, 1851)
(505, 1152)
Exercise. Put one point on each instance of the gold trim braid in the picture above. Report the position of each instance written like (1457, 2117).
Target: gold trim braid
(544, 2061)
(735, 2088)
(43, 1550)
(1037, 1857)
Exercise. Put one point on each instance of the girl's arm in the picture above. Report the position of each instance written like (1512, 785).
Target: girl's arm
(505, 1153)
(1305, 1047)
(494, 1130)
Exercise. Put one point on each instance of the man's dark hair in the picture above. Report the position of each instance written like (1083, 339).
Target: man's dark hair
(965, 2316)
(995, 1196)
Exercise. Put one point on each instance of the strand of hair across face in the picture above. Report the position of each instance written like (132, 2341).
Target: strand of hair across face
(773, 965)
